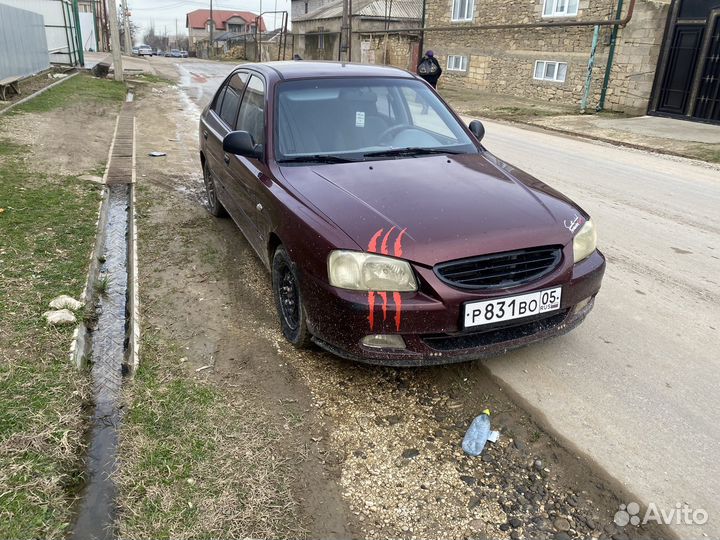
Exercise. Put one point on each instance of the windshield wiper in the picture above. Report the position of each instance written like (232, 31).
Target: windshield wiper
(317, 158)
(410, 151)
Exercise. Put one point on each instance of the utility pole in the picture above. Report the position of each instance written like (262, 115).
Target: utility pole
(115, 39)
(126, 21)
(212, 25)
(344, 45)
(176, 34)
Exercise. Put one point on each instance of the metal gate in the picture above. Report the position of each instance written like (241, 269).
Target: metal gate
(687, 83)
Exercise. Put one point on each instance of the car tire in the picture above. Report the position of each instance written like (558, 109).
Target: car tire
(288, 300)
(212, 203)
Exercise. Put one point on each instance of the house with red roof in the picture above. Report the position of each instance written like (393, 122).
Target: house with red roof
(238, 22)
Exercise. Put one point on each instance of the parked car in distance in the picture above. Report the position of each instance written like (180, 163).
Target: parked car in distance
(144, 50)
(392, 235)
(175, 53)
(184, 54)
(135, 51)
(167, 54)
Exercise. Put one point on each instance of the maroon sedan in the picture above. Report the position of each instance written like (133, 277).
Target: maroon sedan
(392, 235)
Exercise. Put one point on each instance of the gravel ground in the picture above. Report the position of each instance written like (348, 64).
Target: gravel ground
(385, 443)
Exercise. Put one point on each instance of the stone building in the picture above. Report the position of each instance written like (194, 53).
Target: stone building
(316, 34)
(238, 22)
(548, 62)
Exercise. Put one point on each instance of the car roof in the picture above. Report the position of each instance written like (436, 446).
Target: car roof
(302, 69)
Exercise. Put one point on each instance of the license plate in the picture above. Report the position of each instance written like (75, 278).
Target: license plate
(512, 307)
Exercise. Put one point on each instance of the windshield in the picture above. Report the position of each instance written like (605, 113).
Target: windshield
(362, 119)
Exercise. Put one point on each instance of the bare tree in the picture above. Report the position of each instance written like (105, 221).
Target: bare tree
(134, 29)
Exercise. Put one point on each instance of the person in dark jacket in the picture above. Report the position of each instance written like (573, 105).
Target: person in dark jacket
(429, 69)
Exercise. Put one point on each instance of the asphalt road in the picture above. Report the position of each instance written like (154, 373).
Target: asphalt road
(635, 387)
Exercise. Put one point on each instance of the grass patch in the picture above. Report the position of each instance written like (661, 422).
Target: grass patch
(197, 461)
(77, 90)
(48, 228)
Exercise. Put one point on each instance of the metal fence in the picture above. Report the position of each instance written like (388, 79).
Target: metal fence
(60, 28)
(23, 45)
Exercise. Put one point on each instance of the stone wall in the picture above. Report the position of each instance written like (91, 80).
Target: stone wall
(395, 50)
(636, 57)
(503, 61)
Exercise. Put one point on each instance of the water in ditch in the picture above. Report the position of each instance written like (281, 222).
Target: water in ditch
(109, 344)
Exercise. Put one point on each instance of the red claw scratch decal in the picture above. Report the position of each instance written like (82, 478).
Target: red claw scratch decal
(397, 298)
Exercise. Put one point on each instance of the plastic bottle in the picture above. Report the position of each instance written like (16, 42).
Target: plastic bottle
(478, 434)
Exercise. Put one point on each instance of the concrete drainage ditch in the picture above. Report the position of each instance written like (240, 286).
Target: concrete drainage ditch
(111, 341)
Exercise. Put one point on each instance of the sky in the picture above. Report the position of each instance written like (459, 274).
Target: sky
(164, 13)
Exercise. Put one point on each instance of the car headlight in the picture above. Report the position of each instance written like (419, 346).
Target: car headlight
(585, 241)
(369, 272)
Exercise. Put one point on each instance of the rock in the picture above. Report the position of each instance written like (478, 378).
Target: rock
(517, 443)
(515, 535)
(474, 502)
(561, 524)
(393, 419)
(411, 453)
(619, 536)
(538, 465)
(91, 178)
(360, 454)
(487, 458)
(65, 302)
(101, 69)
(60, 317)
(505, 527)
(469, 480)
(590, 523)
(561, 536)
(515, 522)
(477, 525)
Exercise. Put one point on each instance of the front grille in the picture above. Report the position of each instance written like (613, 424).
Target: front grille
(447, 343)
(500, 270)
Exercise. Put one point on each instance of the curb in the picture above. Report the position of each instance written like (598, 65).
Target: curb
(36, 94)
(133, 351)
(598, 138)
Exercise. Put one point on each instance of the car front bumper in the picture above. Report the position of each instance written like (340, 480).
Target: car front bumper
(429, 320)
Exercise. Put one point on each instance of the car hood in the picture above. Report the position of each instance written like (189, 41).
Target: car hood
(432, 209)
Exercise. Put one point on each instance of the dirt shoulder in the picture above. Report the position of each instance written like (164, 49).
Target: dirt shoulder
(225, 419)
(47, 219)
(218, 438)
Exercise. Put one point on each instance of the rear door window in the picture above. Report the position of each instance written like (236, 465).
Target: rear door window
(228, 109)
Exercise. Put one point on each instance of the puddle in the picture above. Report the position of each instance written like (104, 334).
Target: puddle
(109, 343)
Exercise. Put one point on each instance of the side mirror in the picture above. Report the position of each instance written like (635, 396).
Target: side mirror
(477, 129)
(241, 143)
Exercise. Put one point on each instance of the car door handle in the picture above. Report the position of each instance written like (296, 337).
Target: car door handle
(205, 133)
(226, 158)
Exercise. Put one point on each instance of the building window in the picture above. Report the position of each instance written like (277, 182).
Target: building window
(560, 8)
(306, 7)
(462, 10)
(457, 63)
(550, 71)
(321, 41)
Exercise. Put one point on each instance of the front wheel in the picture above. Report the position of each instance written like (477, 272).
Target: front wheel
(288, 300)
